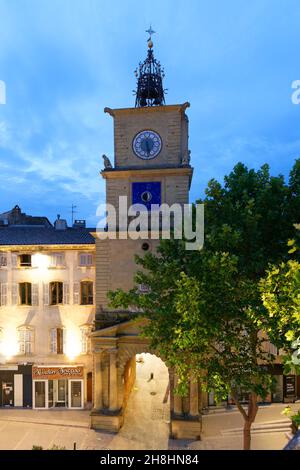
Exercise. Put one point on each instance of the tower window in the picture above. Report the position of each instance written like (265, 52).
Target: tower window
(56, 293)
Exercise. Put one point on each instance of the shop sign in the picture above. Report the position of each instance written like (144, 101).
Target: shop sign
(55, 373)
(289, 386)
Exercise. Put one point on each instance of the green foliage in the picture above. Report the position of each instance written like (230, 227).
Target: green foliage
(204, 308)
(280, 292)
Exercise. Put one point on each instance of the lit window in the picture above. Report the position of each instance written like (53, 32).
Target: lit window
(3, 260)
(86, 293)
(56, 293)
(57, 260)
(25, 293)
(85, 339)
(85, 259)
(25, 261)
(57, 340)
(26, 340)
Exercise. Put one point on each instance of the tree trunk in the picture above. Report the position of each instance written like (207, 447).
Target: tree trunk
(247, 434)
(249, 419)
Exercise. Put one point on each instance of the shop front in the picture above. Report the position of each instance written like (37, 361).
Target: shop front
(58, 387)
(15, 386)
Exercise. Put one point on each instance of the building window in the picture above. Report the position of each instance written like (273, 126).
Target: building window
(26, 339)
(57, 340)
(3, 293)
(86, 293)
(25, 261)
(85, 339)
(25, 293)
(85, 259)
(56, 293)
(3, 260)
(57, 260)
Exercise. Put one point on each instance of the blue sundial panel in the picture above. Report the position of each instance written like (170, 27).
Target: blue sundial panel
(146, 194)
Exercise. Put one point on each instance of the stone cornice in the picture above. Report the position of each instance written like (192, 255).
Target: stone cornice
(153, 109)
(146, 172)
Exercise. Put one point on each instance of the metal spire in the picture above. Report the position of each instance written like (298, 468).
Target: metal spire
(149, 76)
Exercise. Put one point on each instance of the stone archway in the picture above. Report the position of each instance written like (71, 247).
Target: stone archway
(114, 347)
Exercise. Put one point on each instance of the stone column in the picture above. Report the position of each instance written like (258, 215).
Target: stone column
(113, 380)
(98, 385)
(177, 400)
(194, 399)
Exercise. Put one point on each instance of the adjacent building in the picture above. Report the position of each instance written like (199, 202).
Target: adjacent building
(47, 292)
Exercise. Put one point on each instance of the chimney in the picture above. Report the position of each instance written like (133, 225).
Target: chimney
(79, 224)
(60, 224)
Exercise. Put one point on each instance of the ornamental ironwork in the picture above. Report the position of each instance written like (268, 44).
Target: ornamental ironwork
(149, 75)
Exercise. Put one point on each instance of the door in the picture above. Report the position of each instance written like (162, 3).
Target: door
(18, 389)
(40, 394)
(75, 394)
(89, 387)
(7, 394)
(62, 390)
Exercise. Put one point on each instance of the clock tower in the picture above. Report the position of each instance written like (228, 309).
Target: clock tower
(151, 166)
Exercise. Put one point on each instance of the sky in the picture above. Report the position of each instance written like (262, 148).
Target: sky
(63, 61)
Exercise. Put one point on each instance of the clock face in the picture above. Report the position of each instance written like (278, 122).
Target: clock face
(147, 194)
(147, 145)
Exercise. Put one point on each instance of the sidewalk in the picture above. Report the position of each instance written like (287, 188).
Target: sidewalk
(56, 417)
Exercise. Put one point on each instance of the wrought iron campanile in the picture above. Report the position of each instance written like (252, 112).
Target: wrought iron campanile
(149, 76)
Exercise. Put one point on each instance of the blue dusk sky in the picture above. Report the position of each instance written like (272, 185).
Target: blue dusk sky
(63, 61)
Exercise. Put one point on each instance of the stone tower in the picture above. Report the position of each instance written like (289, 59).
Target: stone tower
(151, 166)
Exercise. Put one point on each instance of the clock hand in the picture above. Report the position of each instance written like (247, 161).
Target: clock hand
(147, 147)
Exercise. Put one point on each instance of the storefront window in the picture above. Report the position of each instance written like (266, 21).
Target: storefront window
(58, 391)
(40, 394)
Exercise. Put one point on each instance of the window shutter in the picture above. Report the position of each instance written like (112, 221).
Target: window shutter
(35, 294)
(3, 259)
(14, 260)
(64, 340)
(76, 293)
(53, 260)
(66, 294)
(60, 259)
(46, 294)
(22, 341)
(89, 260)
(53, 340)
(14, 294)
(3, 293)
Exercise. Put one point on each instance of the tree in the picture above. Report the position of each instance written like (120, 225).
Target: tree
(280, 291)
(204, 309)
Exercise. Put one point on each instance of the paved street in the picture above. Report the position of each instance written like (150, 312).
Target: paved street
(146, 423)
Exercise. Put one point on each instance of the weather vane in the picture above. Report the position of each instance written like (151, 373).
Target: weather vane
(150, 32)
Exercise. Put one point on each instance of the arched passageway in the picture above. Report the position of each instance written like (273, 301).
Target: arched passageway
(124, 399)
(147, 414)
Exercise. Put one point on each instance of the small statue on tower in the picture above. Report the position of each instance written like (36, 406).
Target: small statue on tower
(107, 163)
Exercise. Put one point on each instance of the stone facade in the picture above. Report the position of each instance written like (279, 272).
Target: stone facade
(117, 339)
